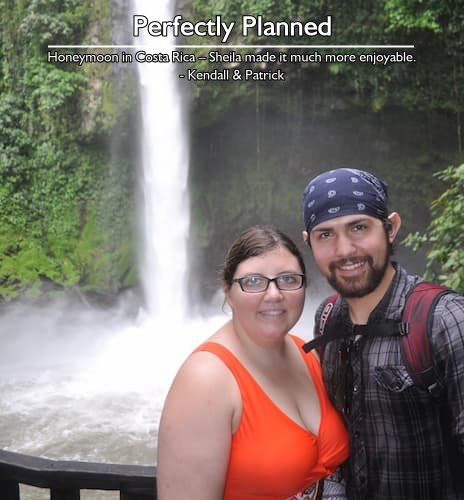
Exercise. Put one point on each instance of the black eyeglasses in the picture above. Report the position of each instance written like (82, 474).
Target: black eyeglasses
(256, 283)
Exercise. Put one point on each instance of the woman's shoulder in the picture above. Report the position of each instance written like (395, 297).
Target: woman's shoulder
(209, 364)
(202, 380)
(204, 366)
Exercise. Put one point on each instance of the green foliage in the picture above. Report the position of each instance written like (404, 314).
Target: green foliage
(444, 237)
(221, 96)
(434, 26)
(48, 88)
(55, 161)
(104, 255)
(66, 205)
(49, 21)
(413, 15)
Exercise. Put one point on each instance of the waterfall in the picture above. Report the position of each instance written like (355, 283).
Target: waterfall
(164, 142)
(88, 384)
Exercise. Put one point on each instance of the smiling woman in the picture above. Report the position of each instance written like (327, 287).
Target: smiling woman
(247, 415)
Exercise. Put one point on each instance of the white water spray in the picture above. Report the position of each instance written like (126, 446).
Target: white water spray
(90, 385)
(165, 171)
(87, 384)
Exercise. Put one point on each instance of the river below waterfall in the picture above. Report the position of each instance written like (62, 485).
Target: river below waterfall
(86, 384)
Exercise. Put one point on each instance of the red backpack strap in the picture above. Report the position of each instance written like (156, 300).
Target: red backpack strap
(417, 321)
(320, 329)
(326, 313)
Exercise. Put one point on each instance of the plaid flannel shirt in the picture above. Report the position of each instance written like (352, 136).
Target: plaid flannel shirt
(400, 439)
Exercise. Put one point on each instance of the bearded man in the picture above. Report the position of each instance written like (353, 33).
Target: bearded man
(405, 442)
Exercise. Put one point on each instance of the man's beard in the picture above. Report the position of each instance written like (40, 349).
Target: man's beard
(358, 286)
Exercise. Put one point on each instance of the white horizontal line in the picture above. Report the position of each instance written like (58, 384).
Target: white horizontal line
(174, 47)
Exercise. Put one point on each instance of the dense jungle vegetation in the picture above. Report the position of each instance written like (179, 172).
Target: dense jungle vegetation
(66, 198)
(68, 144)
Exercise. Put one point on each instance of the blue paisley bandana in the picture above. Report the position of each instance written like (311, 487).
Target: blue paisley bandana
(344, 191)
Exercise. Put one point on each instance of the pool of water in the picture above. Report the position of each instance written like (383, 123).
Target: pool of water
(86, 384)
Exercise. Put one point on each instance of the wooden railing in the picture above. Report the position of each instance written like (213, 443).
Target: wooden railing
(65, 479)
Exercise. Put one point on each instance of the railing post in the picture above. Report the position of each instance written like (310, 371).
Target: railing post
(137, 494)
(65, 494)
(66, 479)
(9, 490)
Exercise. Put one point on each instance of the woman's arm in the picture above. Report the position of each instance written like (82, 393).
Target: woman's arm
(196, 430)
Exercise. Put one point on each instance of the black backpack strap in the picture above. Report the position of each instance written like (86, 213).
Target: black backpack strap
(331, 330)
(417, 320)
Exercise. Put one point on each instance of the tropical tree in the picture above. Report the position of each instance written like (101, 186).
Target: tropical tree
(444, 237)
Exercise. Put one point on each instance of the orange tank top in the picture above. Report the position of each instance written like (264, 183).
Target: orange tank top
(272, 457)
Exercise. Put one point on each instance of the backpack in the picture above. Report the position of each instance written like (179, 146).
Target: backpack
(415, 324)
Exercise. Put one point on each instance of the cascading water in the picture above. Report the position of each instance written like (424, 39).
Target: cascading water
(165, 170)
(89, 385)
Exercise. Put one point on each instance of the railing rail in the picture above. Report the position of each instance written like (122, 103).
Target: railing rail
(65, 478)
